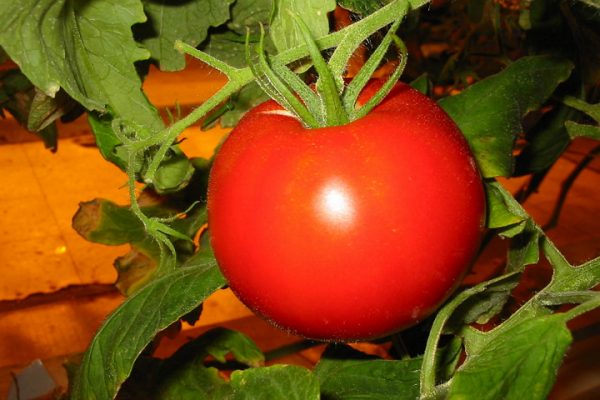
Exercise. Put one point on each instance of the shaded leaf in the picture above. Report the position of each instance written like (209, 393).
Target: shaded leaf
(127, 331)
(346, 374)
(520, 363)
(484, 305)
(489, 112)
(184, 375)
(187, 21)
(545, 142)
(524, 248)
(195, 382)
(362, 7)
(279, 382)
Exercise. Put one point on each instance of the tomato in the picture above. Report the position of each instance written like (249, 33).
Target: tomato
(346, 232)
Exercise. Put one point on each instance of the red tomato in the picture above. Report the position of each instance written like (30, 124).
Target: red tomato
(346, 232)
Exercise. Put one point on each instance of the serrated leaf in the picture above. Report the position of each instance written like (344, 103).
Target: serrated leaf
(489, 112)
(187, 21)
(520, 363)
(349, 375)
(85, 48)
(279, 382)
(127, 331)
(284, 31)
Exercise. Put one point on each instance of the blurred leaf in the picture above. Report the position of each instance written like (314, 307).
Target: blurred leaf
(520, 363)
(109, 359)
(346, 374)
(284, 31)
(19, 97)
(187, 21)
(279, 382)
(582, 130)
(421, 84)
(489, 112)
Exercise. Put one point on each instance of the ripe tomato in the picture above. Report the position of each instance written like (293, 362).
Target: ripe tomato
(346, 232)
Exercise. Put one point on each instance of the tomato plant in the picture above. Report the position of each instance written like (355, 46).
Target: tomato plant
(347, 210)
(363, 228)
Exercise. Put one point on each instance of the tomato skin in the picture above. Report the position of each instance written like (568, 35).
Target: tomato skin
(347, 232)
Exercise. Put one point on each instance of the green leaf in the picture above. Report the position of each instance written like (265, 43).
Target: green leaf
(124, 335)
(194, 382)
(250, 96)
(483, 306)
(285, 32)
(30, 107)
(279, 382)
(218, 343)
(520, 363)
(362, 7)
(185, 376)
(108, 144)
(546, 142)
(187, 21)
(45, 109)
(248, 15)
(85, 48)
(174, 173)
(346, 374)
(524, 248)
(503, 210)
(102, 221)
(582, 130)
(489, 112)
(421, 83)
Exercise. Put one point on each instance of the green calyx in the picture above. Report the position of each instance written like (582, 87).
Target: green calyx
(332, 102)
